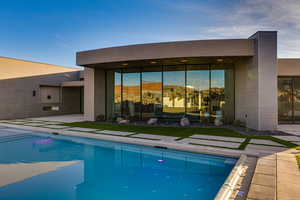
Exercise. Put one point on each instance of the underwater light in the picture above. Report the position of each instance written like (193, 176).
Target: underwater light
(43, 141)
(160, 160)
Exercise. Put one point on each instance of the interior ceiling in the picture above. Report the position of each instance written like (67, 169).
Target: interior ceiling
(168, 61)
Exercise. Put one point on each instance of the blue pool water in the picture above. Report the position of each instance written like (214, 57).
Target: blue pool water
(86, 169)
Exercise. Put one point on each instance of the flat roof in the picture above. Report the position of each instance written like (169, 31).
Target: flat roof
(167, 50)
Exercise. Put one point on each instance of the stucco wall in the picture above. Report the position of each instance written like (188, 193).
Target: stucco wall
(15, 68)
(94, 93)
(17, 100)
(289, 67)
(256, 84)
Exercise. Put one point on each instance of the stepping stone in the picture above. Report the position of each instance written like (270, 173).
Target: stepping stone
(82, 129)
(155, 137)
(288, 138)
(297, 143)
(267, 142)
(212, 137)
(253, 147)
(210, 143)
(16, 130)
(118, 133)
(4, 134)
(34, 124)
(55, 126)
(17, 123)
(52, 123)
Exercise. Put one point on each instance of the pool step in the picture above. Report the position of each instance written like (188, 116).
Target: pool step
(13, 137)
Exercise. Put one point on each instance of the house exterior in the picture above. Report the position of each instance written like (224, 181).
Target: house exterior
(32, 89)
(233, 80)
(228, 79)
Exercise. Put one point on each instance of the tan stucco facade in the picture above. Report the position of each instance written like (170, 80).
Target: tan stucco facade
(16, 68)
(288, 67)
(31, 89)
(254, 58)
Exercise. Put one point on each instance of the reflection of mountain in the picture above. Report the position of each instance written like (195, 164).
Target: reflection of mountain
(173, 99)
(157, 87)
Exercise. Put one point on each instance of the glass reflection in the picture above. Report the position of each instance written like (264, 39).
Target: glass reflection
(114, 98)
(202, 92)
(285, 100)
(151, 94)
(217, 95)
(173, 91)
(131, 95)
(296, 92)
(197, 90)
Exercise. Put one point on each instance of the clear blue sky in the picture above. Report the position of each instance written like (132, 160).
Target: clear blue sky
(51, 31)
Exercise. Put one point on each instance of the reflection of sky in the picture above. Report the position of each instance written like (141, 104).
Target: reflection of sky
(198, 79)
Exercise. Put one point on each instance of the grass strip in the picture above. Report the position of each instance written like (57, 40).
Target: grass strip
(180, 132)
(298, 160)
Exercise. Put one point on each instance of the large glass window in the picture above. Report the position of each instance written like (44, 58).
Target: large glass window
(173, 91)
(114, 94)
(217, 96)
(197, 91)
(131, 94)
(285, 100)
(151, 93)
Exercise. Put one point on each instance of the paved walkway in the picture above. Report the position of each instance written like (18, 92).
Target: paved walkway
(290, 128)
(62, 118)
(276, 176)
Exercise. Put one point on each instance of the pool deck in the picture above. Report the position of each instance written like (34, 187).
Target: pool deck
(276, 174)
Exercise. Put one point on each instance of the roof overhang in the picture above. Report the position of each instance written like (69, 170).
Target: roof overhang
(166, 52)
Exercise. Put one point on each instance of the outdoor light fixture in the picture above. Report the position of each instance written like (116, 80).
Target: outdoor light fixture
(220, 60)
(183, 61)
(124, 64)
(153, 62)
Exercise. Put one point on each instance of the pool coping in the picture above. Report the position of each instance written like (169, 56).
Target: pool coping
(232, 187)
(139, 141)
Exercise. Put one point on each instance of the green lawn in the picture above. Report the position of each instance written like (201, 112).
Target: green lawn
(181, 132)
(298, 160)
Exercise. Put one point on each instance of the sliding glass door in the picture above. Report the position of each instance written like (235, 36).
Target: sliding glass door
(200, 92)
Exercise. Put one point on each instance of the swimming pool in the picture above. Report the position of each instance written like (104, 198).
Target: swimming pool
(47, 167)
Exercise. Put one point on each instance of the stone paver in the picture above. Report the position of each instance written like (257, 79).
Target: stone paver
(253, 147)
(15, 130)
(267, 142)
(53, 123)
(82, 129)
(155, 137)
(5, 134)
(289, 138)
(34, 124)
(210, 143)
(15, 122)
(211, 137)
(56, 126)
(263, 184)
(288, 175)
(297, 143)
(117, 133)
